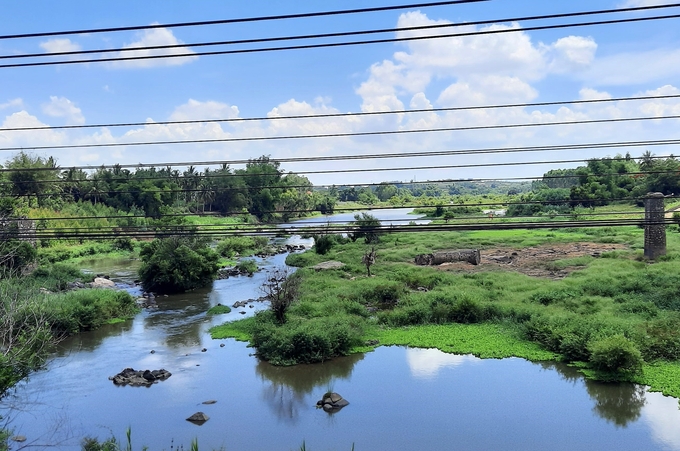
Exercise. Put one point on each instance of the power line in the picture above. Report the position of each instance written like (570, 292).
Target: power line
(492, 150)
(221, 190)
(350, 229)
(314, 222)
(337, 34)
(342, 44)
(238, 20)
(341, 115)
(366, 208)
(178, 182)
(338, 135)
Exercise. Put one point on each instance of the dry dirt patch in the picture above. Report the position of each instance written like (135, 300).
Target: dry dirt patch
(533, 261)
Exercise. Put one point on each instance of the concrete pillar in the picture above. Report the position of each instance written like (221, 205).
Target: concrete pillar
(655, 227)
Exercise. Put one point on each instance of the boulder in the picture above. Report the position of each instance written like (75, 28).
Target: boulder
(332, 402)
(134, 378)
(18, 438)
(212, 401)
(100, 282)
(198, 418)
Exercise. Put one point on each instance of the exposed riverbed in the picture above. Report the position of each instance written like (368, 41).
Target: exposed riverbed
(400, 398)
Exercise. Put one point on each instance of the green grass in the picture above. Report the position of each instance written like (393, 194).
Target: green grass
(241, 330)
(487, 341)
(218, 310)
(495, 313)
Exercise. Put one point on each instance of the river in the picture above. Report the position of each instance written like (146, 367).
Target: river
(400, 398)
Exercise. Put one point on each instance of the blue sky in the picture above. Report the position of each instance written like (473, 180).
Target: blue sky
(533, 66)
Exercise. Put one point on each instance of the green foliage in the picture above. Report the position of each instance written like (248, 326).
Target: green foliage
(218, 310)
(83, 310)
(367, 227)
(309, 341)
(242, 245)
(177, 264)
(324, 243)
(616, 354)
(248, 266)
(57, 276)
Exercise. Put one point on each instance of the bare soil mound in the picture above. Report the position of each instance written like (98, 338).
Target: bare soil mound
(533, 261)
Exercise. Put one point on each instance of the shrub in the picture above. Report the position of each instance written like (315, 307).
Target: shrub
(57, 276)
(123, 244)
(384, 293)
(177, 264)
(662, 339)
(467, 311)
(247, 266)
(307, 341)
(366, 226)
(615, 354)
(323, 243)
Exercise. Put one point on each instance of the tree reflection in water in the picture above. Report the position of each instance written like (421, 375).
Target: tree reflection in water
(289, 386)
(619, 403)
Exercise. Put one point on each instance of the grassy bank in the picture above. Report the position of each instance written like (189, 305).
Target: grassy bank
(614, 315)
(35, 315)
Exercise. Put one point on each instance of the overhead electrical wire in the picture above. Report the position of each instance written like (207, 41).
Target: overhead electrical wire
(337, 135)
(341, 209)
(222, 190)
(167, 178)
(350, 228)
(338, 34)
(492, 150)
(341, 44)
(341, 115)
(240, 20)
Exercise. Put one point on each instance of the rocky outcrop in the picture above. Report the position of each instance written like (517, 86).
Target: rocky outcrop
(332, 402)
(245, 303)
(100, 282)
(144, 378)
(198, 418)
(465, 255)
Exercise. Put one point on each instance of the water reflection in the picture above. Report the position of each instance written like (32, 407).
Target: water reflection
(618, 403)
(181, 318)
(426, 363)
(91, 340)
(289, 388)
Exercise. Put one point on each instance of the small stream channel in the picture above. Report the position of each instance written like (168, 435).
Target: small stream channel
(400, 398)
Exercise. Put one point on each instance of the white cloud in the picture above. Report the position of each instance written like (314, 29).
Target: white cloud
(631, 68)
(636, 3)
(593, 94)
(194, 110)
(571, 54)
(64, 108)
(30, 138)
(12, 104)
(149, 38)
(60, 45)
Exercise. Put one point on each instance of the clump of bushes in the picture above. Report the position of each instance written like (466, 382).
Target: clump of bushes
(56, 277)
(304, 341)
(241, 245)
(615, 354)
(324, 243)
(248, 266)
(177, 264)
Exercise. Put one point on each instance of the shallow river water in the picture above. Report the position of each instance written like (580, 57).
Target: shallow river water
(400, 398)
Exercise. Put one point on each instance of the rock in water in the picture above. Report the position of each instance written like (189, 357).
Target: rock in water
(332, 402)
(212, 401)
(130, 376)
(100, 282)
(198, 418)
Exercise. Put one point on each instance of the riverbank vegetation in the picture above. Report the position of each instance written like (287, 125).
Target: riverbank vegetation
(35, 315)
(615, 315)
